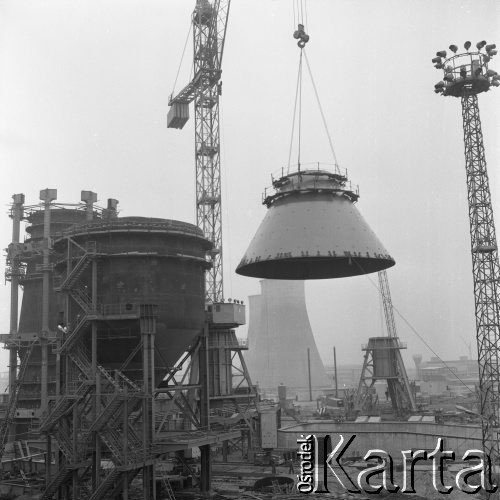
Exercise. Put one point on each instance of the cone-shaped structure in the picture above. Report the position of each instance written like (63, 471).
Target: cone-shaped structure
(313, 230)
(279, 336)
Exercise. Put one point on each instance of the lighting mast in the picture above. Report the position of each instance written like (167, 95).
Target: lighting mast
(466, 75)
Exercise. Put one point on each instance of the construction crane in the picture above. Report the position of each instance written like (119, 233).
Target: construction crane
(385, 292)
(465, 75)
(209, 32)
(209, 22)
(399, 387)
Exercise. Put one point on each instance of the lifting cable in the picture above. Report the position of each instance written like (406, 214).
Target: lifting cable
(182, 58)
(299, 13)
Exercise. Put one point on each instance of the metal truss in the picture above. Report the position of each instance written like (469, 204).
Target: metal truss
(209, 30)
(486, 273)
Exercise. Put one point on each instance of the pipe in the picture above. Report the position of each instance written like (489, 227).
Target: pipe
(335, 369)
(309, 373)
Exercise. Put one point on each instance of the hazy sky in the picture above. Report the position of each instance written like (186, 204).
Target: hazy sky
(84, 87)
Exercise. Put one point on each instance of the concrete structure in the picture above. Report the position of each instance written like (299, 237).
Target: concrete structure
(392, 437)
(279, 336)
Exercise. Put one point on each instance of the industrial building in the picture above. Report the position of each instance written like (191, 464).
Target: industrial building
(111, 308)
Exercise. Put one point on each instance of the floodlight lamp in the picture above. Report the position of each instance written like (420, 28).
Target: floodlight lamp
(486, 59)
(441, 53)
(449, 77)
(439, 85)
(437, 60)
(490, 47)
(481, 44)
(438, 91)
(493, 52)
(453, 48)
(467, 45)
(491, 72)
(495, 83)
(438, 66)
(496, 77)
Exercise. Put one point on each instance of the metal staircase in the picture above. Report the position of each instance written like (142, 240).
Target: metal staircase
(82, 412)
(103, 488)
(11, 409)
(168, 488)
(58, 480)
(72, 277)
(62, 407)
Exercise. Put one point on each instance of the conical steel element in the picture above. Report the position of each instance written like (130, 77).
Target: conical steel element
(313, 230)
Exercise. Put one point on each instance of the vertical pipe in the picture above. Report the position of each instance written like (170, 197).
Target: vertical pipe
(17, 213)
(45, 266)
(47, 196)
(335, 369)
(309, 373)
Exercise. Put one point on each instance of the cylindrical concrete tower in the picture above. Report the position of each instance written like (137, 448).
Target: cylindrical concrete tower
(279, 336)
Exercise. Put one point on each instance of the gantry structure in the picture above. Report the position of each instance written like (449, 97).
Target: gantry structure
(465, 76)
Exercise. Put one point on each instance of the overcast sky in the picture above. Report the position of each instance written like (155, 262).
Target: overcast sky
(84, 87)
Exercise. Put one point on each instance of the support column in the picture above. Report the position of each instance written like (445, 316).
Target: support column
(96, 465)
(125, 445)
(48, 460)
(75, 451)
(148, 316)
(94, 324)
(205, 462)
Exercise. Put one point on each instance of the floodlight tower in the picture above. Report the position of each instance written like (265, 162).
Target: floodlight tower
(466, 75)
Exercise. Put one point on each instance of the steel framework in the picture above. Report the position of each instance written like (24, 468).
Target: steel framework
(465, 76)
(383, 361)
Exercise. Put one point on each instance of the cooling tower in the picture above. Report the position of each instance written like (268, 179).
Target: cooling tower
(279, 336)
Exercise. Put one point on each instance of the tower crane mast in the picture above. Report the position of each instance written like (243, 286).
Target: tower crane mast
(209, 22)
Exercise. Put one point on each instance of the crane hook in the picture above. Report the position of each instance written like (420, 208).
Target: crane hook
(300, 35)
